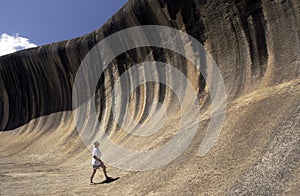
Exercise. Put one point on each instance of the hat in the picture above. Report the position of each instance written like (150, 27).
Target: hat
(96, 143)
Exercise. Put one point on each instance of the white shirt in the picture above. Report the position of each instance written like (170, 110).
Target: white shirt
(97, 153)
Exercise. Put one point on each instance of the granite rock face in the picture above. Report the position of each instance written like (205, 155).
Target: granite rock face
(255, 43)
(250, 40)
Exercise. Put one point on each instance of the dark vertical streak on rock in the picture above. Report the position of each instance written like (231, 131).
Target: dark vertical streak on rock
(159, 56)
(253, 23)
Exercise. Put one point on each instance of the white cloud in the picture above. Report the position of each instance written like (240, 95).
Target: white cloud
(10, 43)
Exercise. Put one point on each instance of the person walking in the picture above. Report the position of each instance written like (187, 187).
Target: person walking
(97, 162)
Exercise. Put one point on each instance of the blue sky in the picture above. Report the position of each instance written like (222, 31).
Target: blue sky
(47, 21)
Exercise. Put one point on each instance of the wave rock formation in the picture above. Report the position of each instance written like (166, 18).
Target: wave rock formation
(255, 44)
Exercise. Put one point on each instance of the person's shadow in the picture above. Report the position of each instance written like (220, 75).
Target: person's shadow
(109, 180)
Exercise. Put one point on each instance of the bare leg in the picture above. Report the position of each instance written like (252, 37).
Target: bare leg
(104, 171)
(93, 174)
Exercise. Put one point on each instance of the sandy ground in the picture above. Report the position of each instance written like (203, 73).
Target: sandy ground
(257, 153)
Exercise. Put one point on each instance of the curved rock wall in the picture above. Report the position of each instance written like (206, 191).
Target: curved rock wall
(254, 43)
(256, 46)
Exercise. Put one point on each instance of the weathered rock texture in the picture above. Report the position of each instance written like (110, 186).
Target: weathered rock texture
(256, 46)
